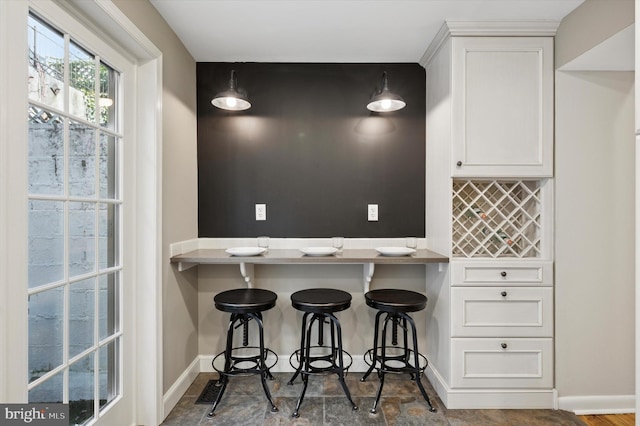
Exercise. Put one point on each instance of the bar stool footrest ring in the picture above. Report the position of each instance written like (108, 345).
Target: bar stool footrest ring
(396, 363)
(244, 365)
(330, 361)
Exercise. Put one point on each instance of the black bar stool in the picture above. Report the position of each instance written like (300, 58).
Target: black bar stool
(320, 304)
(395, 304)
(245, 305)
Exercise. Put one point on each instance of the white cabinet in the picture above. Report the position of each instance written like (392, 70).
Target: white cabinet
(489, 153)
(502, 106)
(501, 324)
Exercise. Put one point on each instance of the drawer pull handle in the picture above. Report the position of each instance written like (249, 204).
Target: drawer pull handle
(503, 294)
(503, 274)
(459, 164)
(503, 345)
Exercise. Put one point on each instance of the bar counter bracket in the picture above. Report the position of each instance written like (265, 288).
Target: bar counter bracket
(183, 266)
(246, 270)
(369, 269)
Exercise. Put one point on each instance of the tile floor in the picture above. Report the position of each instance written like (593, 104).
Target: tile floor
(402, 404)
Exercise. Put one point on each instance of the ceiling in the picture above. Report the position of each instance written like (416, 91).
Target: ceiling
(374, 31)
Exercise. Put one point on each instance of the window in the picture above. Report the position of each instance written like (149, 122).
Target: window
(74, 225)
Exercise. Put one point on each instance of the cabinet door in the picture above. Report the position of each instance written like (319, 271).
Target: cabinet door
(502, 363)
(502, 120)
(502, 273)
(502, 312)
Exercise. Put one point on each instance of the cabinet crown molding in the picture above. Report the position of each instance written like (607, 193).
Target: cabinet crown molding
(537, 28)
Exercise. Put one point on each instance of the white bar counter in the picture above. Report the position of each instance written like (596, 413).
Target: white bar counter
(367, 257)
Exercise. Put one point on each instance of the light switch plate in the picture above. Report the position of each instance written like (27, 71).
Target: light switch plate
(261, 212)
(372, 212)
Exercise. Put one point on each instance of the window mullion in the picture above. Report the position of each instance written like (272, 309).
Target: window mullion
(96, 346)
(65, 343)
(65, 266)
(96, 242)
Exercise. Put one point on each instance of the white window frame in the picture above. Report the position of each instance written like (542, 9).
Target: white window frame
(144, 195)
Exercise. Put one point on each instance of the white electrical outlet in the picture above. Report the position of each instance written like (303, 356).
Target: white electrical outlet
(261, 212)
(372, 212)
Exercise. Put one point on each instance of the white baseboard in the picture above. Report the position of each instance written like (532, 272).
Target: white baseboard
(527, 398)
(482, 399)
(463, 398)
(598, 404)
(179, 387)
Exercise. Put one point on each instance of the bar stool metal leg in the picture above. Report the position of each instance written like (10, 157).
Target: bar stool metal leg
(264, 350)
(263, 366)
(383, 357)
(302, 345)
(417, 363)
(374, 409)
(305, 363)
(338, 329)
(223, 380)
(374, 354)
(223, 385)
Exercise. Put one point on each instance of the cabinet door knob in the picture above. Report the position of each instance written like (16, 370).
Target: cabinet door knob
(459, 163)
(503, 294)
(503, 345)
(503, 274)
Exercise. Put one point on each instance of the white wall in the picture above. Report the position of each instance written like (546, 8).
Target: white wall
(588, 25)
(594, 225)
(179, 186)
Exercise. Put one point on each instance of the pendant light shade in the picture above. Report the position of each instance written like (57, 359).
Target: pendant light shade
(232, 99)
(385, 100)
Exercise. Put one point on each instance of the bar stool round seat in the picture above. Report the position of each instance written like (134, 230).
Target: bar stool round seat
(321, 300)
(395, 304)
(320, 304)
(245, 306)
(396, 300)
(243, 300)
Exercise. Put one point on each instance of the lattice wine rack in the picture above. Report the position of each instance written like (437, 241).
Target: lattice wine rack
(496, 219)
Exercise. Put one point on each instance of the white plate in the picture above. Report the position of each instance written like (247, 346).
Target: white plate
(245, 251)
(319, 251)
(395, 251)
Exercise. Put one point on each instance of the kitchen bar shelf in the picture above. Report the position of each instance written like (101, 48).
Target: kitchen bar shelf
(367, 257)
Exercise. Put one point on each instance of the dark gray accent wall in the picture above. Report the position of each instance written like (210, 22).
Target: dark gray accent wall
(310, 150)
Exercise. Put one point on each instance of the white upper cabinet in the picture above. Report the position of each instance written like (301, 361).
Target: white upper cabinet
(502, 106)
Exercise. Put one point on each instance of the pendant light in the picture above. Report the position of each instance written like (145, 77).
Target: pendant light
(385, 100)
(232, 99)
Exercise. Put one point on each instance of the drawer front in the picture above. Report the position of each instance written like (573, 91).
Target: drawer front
(502, 311)
(487, 273)
(502, 363)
